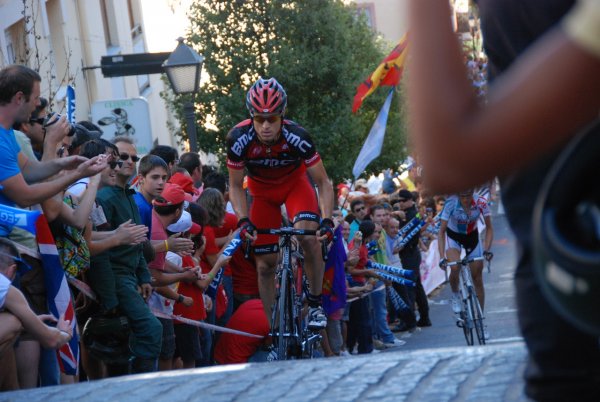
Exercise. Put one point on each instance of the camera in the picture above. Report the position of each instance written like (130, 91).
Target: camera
(48, 123)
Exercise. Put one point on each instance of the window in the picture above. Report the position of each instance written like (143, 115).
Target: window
(134, 19)
(109, 23)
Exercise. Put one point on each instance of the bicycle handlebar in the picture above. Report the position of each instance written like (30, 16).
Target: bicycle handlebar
(464, 261)
(288, 231)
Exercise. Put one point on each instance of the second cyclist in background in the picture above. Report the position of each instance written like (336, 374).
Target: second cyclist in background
(458, 229)
(277, 154)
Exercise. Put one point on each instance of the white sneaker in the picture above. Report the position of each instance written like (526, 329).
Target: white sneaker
(397, 342)
(456, 307)
(344, 353)
(317, 319)
(486, 334)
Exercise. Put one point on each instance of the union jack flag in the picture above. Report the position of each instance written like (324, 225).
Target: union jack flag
(58, 294)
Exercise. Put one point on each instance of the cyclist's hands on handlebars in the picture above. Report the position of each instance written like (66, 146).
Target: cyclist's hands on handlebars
(247, 229)
(326, 230)
(488, 255)
(443, 263)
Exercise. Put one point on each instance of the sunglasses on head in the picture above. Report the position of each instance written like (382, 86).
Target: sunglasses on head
(270, 119)
(124, 156)
(39, 120)
(114, 164)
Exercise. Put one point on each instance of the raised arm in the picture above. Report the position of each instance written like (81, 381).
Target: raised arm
(529, 111)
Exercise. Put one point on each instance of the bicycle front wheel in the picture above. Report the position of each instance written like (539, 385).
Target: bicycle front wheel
(285, 317)
(467, 316)
(478, 319)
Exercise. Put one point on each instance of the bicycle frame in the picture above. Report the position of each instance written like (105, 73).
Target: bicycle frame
(471, 315)
(290, 337)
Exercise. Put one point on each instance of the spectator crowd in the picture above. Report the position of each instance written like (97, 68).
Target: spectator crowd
(140, 241)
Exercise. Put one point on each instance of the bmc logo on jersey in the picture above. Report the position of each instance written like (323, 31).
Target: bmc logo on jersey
(240, 143)
(271, 162)
(298, 142)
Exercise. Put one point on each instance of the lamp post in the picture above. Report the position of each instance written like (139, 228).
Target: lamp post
(183, 68)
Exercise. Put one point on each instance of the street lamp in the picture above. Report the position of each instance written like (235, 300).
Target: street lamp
(183, 68)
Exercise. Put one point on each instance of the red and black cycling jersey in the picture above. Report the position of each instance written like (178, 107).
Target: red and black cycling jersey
(293, 152)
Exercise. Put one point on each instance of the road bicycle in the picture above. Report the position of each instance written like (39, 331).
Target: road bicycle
(292, 339)
(471, 315)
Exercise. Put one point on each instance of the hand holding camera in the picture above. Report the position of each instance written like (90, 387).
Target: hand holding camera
(56, 127)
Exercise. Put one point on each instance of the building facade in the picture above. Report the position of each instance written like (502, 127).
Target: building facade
(64, 41)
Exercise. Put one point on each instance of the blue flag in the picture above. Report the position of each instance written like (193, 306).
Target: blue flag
(71, 104)
(334, 279)
(374, 142)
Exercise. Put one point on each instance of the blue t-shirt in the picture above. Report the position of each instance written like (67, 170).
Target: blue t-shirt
(145, 211)
(9, 166)
(9, 162)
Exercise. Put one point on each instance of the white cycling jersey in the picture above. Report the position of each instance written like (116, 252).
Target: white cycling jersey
(461, 221)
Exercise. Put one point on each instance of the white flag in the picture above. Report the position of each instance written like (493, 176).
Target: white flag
(372, 146)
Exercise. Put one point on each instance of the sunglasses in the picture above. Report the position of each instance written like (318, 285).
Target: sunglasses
(39, 120)
(270, 119)
(359, 209)
(114, 164)
(401, 200)
(124, 156)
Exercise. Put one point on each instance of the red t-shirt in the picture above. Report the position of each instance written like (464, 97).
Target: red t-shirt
(363, 257)
(196, 311)
(223, 231)
(249, 317)
(212, 248)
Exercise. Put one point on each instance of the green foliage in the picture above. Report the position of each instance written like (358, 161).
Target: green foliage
(319, 50)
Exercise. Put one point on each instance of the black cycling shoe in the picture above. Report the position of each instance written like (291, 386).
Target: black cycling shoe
(424, 322)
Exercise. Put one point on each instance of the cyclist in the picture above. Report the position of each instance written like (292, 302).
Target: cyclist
(458, 229)
(277, 154)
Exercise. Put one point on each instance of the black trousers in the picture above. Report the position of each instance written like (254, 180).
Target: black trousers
(359, 327)
(564, 363)
(411, 259)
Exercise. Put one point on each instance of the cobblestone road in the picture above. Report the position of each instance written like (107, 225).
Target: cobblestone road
(489, 373)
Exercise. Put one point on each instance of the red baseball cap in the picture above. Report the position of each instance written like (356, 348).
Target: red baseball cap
(195, 229)
(173, 194)
(185, 182)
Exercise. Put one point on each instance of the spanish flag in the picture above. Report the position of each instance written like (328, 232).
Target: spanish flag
(388, 73)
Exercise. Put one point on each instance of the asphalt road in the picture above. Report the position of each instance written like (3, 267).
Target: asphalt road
(501, 318)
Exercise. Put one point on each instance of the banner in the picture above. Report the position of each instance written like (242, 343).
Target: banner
(372, 147)
(71, 105)
(431, 274)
